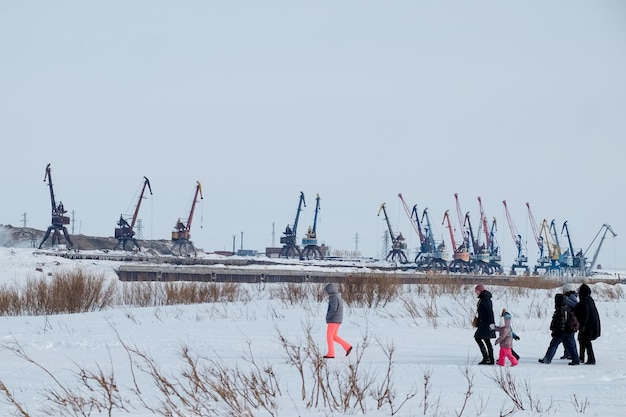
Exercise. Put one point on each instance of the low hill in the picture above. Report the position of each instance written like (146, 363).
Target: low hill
(26, 237)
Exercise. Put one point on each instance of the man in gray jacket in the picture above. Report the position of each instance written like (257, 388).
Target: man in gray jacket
(334, 317)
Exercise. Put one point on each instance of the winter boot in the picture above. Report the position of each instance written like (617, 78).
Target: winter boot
(591, 357)
(490, 352)
(483, 351)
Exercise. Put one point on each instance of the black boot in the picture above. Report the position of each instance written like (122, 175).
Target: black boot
(490, 353)
(483, 351)
(591, 357)
(514, 353)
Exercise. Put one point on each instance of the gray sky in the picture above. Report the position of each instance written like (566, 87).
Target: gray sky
(354, 100)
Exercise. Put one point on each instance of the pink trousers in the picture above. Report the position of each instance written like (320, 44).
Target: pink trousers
(507, 353)
(332, 337)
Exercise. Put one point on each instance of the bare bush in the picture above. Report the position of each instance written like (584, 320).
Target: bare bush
(291, 293)
(10, 301)
(370, 290)
(516, 393)
(67, 292)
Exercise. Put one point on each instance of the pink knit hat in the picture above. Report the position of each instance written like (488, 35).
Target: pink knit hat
(479, 288)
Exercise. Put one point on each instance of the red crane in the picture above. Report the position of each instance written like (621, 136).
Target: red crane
(460, 257)
(182, 245)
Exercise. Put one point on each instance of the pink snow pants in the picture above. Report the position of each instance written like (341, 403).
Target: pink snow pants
(506, 353)
(332, 337)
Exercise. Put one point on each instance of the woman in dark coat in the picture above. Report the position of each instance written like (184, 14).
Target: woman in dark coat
(589, 319)
(486, 327)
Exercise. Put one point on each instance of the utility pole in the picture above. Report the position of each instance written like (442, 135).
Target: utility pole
(356, 242)
(24, 221)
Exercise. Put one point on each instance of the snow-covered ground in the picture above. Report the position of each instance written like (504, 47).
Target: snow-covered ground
(438, 349)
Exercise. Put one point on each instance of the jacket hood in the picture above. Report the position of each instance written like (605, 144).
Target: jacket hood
(584, 290)
(485, 294)
(559, 300)
(330, 288)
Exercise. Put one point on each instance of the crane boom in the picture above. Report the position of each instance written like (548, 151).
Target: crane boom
(48, 176)
(415, 223)
(146, 183)
(517, 238)
(193, 204)
(484, 223)
(607, 228)
(384, 210)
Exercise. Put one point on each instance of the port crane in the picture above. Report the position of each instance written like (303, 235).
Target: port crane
(543, 262)
(429, 256)
(59, 219)
(521, 260)
(574, 261)
(548, 232)
(492, 247)
(125, 233)
(311, 249)
(398, 244)
(290, 248)
(606, 228)
(460, 258)
(439, 260)
(181, 243)
(479, 257)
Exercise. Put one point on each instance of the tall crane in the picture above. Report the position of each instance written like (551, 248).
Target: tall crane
(290, 246)
(543, 262)
(398, 245)
(548, 232)
(311, 249)
(574, 260)
(606, 228)
(461, 257)
(439, 260)
(59, 219)
(429, 256)
(182, 245)
(125, 233)
(479, 256)
(520, 261)
(492, 247)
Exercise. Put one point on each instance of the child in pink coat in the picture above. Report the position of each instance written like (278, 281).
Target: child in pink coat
(505, 339)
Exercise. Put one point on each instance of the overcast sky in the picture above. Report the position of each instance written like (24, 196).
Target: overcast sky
(356, 101)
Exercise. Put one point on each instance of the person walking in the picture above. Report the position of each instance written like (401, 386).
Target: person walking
(505, 339)
(589, 321)
(571, 299)
(334, 317)
(485, 325)
(559, 332)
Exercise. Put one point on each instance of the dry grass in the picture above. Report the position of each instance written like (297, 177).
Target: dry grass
(370, 290)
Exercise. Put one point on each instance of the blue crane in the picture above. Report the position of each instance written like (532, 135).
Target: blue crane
(290, 246)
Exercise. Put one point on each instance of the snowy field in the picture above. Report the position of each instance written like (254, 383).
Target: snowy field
(433, 355)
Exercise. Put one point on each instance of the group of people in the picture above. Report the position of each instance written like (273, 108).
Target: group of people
(570, 316)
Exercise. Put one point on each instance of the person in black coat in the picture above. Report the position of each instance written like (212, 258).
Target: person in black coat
(589, 319)
(561, 332)
(485, 326)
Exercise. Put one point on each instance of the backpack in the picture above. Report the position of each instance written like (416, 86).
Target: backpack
(571, 323)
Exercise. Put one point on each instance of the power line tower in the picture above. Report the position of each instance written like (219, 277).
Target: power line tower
(386, 248)
(24, 220)
(139, 228)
